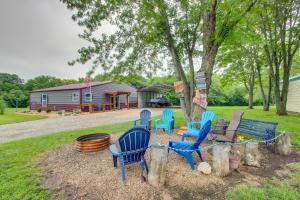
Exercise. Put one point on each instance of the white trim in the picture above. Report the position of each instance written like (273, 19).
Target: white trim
(75, 94)
(90, 97)
(44, 102)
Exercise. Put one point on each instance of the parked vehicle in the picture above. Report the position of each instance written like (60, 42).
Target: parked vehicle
(159, 102)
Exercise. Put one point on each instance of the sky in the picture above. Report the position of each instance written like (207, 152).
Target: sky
(38, 37)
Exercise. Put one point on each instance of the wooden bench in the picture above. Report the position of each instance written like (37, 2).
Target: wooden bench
(260, 129)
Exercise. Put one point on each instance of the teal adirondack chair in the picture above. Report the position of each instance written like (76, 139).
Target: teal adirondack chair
(166, 120)
(194, 132)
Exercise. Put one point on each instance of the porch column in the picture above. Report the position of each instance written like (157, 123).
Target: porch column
(90, 108)
(115, 101)
(127, 101)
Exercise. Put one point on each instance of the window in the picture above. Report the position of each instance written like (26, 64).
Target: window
(44, 99)
(88, 97)
(75, 96)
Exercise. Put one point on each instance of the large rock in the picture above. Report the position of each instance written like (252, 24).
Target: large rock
(204, 167)
(221, 159)
(283, 144)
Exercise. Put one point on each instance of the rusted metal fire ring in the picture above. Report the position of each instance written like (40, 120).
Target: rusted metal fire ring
(92, 142)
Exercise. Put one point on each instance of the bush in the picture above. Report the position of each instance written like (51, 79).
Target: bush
(39, 109)
(2, 107)
(172, 97)
(76, 111)
(48, 110)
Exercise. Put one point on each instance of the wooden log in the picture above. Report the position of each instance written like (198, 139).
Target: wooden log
(158, 166)
(252, 154)
(221, 160)
(283, 144)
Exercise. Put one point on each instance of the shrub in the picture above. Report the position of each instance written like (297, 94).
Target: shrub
(2, 107)
(48, 110)
(76, 111)
(39, 109)
(61, 112)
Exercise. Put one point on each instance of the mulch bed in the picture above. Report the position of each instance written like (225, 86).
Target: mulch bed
(75, 175)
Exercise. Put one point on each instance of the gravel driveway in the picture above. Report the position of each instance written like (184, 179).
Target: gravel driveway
(17, 131)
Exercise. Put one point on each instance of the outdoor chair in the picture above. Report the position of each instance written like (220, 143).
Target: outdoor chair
(166, 120)
(194, 132)
(186, 149)
(231, 130)
(130, 148)
(145, 120)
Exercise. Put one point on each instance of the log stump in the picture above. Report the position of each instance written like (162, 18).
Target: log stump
(158, 166)
(221, 160)
(252, 154)
(283, 144)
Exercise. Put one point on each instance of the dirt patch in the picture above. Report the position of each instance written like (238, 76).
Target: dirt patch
(75, 175)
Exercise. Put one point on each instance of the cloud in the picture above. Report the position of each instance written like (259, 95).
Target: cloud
(39, 37)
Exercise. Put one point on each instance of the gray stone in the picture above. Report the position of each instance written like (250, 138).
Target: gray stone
(204, 167)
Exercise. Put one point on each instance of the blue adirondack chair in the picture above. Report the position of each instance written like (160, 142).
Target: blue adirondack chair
(194, 132)
(167, 120)
(180, 146)
(130, 148)
(145, 120)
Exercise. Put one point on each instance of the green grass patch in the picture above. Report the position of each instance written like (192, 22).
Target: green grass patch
(275, 189)
(21, 179)
(11, 116)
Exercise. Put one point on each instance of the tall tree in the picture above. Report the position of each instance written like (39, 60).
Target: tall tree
(15, 97)
(280, 25)
(149, 33)
(43, 81)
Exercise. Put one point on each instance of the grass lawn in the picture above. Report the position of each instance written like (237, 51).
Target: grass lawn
(21, 179)
(10, 116)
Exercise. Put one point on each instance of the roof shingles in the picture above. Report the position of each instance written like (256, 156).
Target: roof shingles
(75, 86)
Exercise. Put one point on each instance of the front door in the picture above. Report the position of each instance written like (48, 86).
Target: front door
(44, 100)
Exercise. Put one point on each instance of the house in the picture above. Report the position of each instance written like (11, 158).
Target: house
(293, 99)
(154, 91)
(98, 96)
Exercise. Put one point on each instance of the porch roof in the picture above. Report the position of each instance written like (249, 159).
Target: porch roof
(117, 92)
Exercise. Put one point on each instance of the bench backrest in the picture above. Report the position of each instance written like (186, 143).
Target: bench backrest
(261, 129)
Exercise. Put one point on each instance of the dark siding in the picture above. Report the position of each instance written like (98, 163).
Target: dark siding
(100, 97)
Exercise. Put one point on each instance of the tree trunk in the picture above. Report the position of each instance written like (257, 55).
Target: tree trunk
(283, 144)
(252, 154)
(158, 166)
(284, 91)
(251, 89)
(262, 91)
(268, 102)
(221, 160)
(185, 101)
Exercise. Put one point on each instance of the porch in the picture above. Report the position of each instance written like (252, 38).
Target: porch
(112, 101)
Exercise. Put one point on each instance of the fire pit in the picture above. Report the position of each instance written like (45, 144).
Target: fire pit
(93, 142)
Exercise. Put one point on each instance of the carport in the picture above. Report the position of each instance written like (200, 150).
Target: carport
(154, 91)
